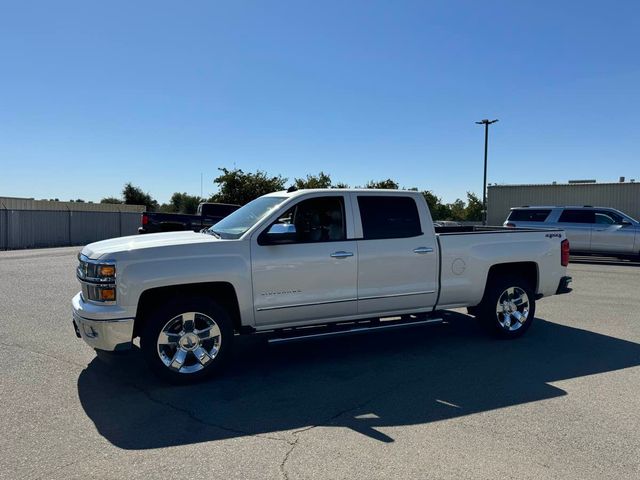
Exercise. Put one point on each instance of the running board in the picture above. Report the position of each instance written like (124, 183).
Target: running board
(295, 335)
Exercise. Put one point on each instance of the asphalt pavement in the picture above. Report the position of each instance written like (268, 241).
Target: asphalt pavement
(441, 402)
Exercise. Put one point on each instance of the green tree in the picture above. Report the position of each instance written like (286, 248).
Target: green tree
(439, 210)
(473, 212)
(457, 209)
(236, 186)
(135, 196)
(432, 201)
(111, 200)
(184, 203)
(322, 180)
(435, 205)
(387, 184)
(444, 212)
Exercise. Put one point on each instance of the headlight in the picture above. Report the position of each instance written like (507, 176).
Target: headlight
(99, 293)
(107, 271)
(97, 279)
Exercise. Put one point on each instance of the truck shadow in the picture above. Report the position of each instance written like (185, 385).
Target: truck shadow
(595, 260)
(407, 377)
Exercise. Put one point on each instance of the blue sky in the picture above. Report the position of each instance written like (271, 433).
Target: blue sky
(95, 94)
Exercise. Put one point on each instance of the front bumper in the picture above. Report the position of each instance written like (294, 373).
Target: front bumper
(563, 286)
(102, 327)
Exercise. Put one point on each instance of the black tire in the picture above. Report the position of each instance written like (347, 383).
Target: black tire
(516, 324)
(173, 318)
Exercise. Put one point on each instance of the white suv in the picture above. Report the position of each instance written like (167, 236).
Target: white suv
(592, 230)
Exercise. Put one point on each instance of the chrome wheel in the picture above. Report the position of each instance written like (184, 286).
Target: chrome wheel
(512, 309)
(189, 342)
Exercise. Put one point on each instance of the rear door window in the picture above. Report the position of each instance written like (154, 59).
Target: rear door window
(389, 217)
(529, 215)
(577, 216)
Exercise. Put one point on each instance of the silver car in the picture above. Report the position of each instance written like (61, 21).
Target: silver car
(590, 230)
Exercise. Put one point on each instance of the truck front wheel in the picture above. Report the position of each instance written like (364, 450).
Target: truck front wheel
(508, 307)
(187, 340)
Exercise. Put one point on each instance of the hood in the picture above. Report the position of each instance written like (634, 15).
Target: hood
(149, 240)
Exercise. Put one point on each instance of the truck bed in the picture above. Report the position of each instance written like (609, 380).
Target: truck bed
(468, 252)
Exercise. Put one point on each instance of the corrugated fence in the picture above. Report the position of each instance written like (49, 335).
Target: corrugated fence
(76, 224)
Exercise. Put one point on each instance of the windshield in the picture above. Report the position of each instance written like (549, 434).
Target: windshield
(236, 224)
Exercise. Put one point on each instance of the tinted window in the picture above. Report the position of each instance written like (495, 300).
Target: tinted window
(607, 218)
(389, 217)
(316, 220)
(577, 216)
(218, 209)
(529, 215)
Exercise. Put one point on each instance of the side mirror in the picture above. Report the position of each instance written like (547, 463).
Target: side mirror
(625, 223)
(279, 233)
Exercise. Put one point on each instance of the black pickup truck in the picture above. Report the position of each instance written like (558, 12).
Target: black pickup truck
(207, 215)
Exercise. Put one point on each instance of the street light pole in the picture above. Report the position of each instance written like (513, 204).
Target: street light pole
(486, 122)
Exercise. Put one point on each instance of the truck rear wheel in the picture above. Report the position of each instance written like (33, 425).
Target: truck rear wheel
(508, 307)
(187, 340)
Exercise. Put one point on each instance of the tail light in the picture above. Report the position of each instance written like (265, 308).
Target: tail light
(510, 225)
(564, 253)
(145, 219)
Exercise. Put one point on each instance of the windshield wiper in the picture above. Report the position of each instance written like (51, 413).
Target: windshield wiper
(210, 232)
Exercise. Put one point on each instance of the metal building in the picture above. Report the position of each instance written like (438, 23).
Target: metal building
(624, 196)
(28, 223)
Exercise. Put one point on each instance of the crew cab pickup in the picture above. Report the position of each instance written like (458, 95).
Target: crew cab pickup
(307, 263)
(207, 215)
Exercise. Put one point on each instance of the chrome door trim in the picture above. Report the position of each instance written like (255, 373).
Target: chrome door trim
(391, 295)
(423, 250)
(261, 309)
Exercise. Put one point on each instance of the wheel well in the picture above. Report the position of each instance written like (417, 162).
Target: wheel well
(528, 270)
(221, 292)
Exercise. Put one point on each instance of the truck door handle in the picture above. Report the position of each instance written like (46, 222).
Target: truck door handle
(423, 250)
(341, 254)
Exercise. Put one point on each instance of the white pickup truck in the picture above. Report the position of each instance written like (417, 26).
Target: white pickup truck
(340, 261)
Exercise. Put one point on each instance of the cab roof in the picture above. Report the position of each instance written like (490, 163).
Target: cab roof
(303, 191)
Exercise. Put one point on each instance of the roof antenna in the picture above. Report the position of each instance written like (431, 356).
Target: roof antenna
(292, 188)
